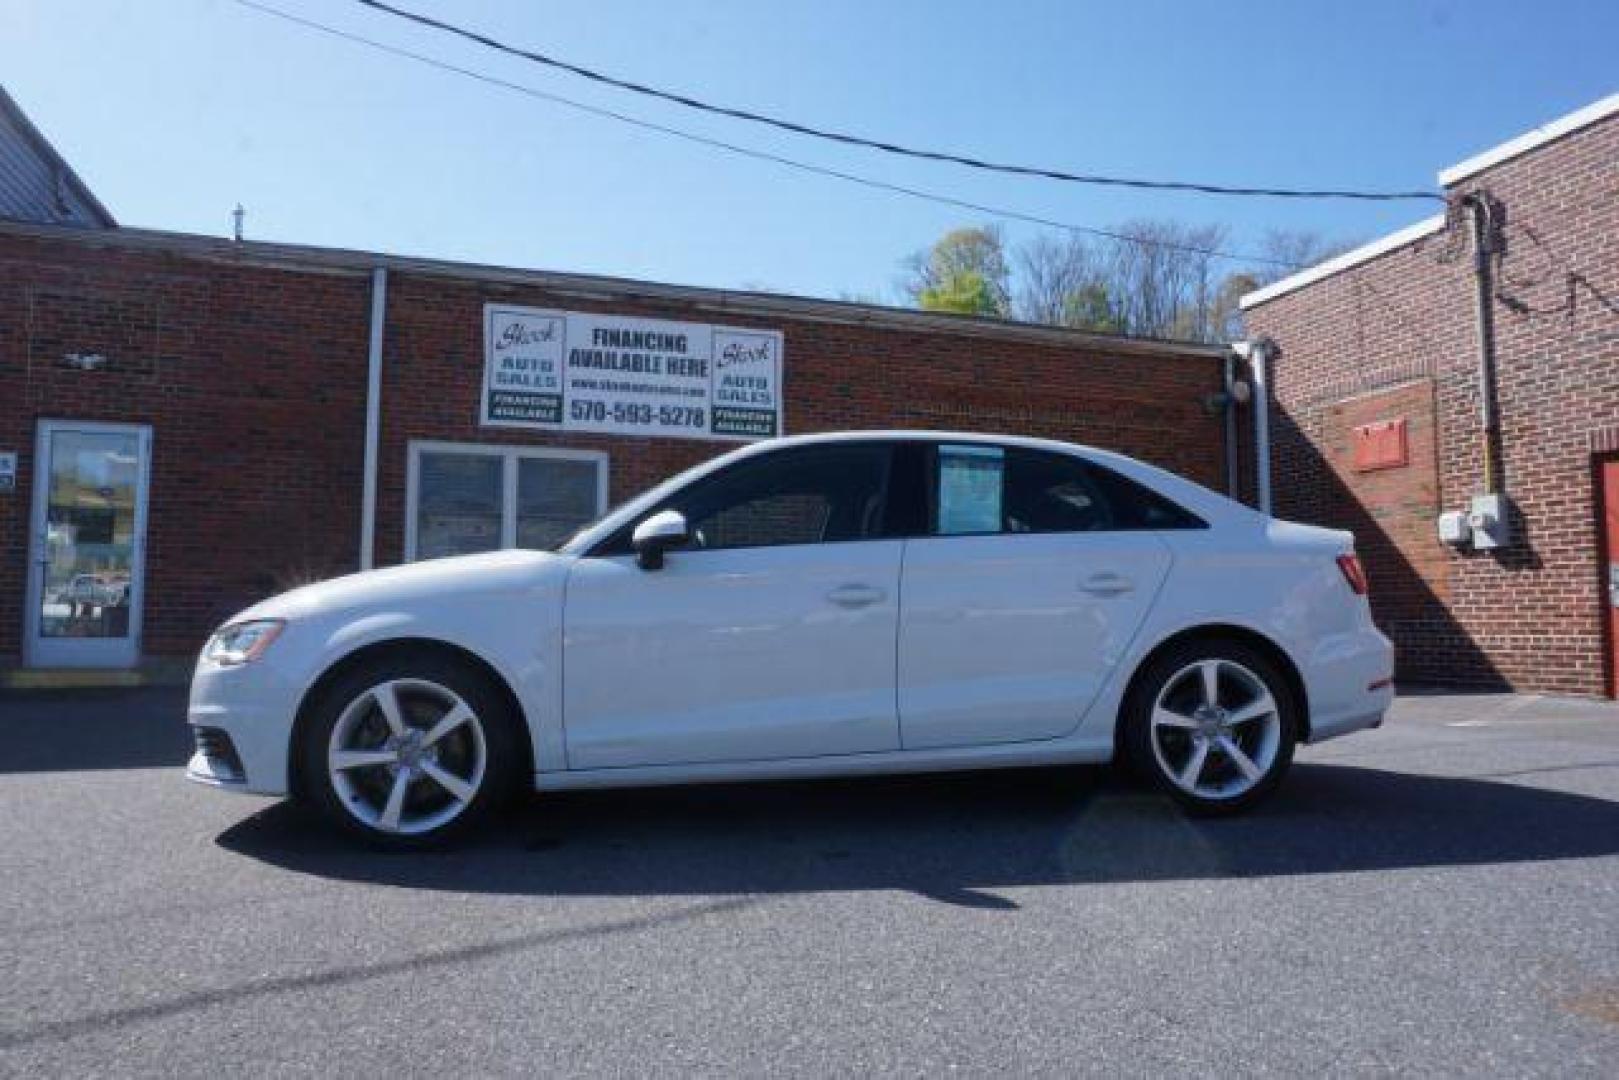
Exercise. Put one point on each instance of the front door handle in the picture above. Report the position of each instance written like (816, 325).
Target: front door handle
(856, 596)
(1106, 583)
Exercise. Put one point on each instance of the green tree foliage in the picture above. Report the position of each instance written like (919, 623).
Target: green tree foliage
(964, 292)
(1089, 308)
(965, 272)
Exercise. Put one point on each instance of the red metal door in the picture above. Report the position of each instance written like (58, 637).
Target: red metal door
(1610, 548)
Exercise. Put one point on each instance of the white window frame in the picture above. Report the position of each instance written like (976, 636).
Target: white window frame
(509, 456)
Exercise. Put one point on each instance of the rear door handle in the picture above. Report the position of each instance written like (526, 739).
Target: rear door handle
(856, 596)
(1106, 583)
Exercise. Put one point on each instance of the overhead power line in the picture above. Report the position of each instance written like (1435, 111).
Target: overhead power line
(761, 155)
(887, 147)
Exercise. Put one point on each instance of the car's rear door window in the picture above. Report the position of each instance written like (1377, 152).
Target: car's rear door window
(981, 489)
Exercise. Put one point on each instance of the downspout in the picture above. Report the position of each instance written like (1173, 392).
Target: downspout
(1230, 376)
(1259, 355)
(373, 419)
(1483, 211)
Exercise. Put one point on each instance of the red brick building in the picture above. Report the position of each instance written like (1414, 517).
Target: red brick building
(194, 420)
(1377, 422)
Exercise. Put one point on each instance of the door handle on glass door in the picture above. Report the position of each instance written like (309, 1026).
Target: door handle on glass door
(1106, 583)
(856, 596)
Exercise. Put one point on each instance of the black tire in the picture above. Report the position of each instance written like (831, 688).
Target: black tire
(418, 677)
(1157, 753)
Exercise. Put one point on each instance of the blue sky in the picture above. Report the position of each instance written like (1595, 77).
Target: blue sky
(175, 110)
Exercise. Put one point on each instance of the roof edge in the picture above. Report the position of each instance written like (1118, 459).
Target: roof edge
(1346, 261)
(604, 288)
(1530, 140)
(9, 105)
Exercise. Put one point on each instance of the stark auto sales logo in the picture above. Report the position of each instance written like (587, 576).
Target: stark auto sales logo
(752, 350)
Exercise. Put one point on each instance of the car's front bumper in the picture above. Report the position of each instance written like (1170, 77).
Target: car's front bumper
(242, 720)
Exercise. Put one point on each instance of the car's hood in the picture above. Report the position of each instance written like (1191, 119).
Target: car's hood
(492, 572)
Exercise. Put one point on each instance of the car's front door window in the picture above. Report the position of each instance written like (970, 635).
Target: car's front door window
(811, 496)
(806, 495)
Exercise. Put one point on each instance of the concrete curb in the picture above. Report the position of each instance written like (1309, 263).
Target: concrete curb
(159, 673)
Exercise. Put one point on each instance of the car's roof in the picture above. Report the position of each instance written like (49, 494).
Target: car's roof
(917, 435)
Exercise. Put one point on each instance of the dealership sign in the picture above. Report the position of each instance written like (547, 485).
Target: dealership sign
(581, 371)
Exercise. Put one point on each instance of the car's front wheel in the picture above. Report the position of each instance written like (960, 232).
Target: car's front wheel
(1213, 723)
(408, 751)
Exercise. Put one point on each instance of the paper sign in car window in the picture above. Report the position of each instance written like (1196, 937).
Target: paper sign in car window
(970, 489)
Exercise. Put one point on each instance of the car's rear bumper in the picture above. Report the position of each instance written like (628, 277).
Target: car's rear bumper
(1350, 683)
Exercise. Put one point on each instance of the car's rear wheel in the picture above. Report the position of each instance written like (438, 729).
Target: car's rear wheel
(1213, 723)
(409, 751)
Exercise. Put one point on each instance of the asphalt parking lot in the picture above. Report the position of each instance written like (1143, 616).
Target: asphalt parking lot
(1441, 896)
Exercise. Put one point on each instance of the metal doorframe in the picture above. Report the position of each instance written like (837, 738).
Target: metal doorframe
(37, 528)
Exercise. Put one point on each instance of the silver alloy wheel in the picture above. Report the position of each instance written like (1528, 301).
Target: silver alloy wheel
(1215, 729)
(407, 756)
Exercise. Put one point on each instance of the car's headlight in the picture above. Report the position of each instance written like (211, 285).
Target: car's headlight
(242, 642)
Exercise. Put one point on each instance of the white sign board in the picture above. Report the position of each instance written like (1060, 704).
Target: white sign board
(583, 371)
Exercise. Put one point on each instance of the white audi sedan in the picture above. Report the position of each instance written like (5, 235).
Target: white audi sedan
(827, 605)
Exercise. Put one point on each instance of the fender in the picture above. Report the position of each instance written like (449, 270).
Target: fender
(524, 675)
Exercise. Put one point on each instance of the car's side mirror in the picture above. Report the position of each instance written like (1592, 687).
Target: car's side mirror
(657, 534)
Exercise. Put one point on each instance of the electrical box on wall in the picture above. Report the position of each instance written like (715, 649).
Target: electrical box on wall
(1453, 527)
(1487, 518)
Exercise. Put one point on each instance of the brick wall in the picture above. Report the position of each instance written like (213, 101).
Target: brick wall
(1531, 616)
(837, 377)
(253, 379)
(253, 383)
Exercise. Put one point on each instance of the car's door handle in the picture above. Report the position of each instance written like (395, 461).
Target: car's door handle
(857, 596)
(1106, 583)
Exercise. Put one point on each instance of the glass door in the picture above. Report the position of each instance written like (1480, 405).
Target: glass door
(89, 525)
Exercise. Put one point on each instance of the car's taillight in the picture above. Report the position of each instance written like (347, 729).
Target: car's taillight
(1354, 573)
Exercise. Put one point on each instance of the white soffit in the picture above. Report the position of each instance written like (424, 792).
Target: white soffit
(1529, 140)
(1364, 253)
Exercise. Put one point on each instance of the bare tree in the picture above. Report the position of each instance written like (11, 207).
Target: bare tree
(1052, 273)
(1225, 320)
(1162, 278)
(1292, 250)
(1285, 251)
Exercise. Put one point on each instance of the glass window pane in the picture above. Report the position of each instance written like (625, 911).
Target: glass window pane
(1136, 507)
(555, 496)
(807, 496)
(458, 503)
(89, 534)
(970, 483)
(1047, 493)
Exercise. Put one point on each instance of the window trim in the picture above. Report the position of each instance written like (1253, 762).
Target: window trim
(509, 456)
